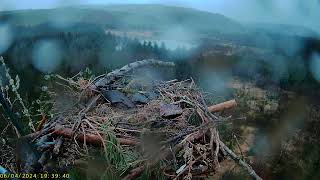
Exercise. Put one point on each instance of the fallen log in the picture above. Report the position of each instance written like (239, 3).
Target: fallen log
(222, 106)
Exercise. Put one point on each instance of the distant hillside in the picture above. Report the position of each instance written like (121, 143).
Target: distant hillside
(284, 29)
(136, 17)
(155, 22)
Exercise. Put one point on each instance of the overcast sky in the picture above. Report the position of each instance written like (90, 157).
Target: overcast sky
(297, 12)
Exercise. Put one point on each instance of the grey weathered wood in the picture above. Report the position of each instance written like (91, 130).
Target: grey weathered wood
(112, 76)
(238, 160)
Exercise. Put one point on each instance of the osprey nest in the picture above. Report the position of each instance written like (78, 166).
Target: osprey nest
(120, 127)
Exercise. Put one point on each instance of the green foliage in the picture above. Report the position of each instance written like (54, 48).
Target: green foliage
(9, 88)
(77, 174)
(113, 154)
(118, 161)
(42, 106)
(86, 74)
(303, 160)
(230, 133)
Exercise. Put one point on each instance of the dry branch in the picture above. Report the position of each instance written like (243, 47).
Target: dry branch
(222, 106)
(190, 138)
(41, 122)
(240, 161)
(90, 138)
(112, 76)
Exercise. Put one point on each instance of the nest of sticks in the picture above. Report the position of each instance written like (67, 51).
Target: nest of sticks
(129, 128)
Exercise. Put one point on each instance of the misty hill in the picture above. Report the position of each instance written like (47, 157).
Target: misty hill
(283, 29)
(157, 18)
(154, 22)
(80, 33)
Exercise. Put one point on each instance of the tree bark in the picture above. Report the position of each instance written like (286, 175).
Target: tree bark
(105, 80)
(90, 138)
(222, 106)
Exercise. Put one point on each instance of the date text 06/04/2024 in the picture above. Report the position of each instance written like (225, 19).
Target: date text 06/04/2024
(35, 176)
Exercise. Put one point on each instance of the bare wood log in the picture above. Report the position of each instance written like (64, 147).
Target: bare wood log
(222, 106)
(90, 138)
(130, 142)
(112, 76)
(238, 160)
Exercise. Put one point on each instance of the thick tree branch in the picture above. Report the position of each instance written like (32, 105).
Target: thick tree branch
(222, 106)
(102, 81)
(90, 138)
